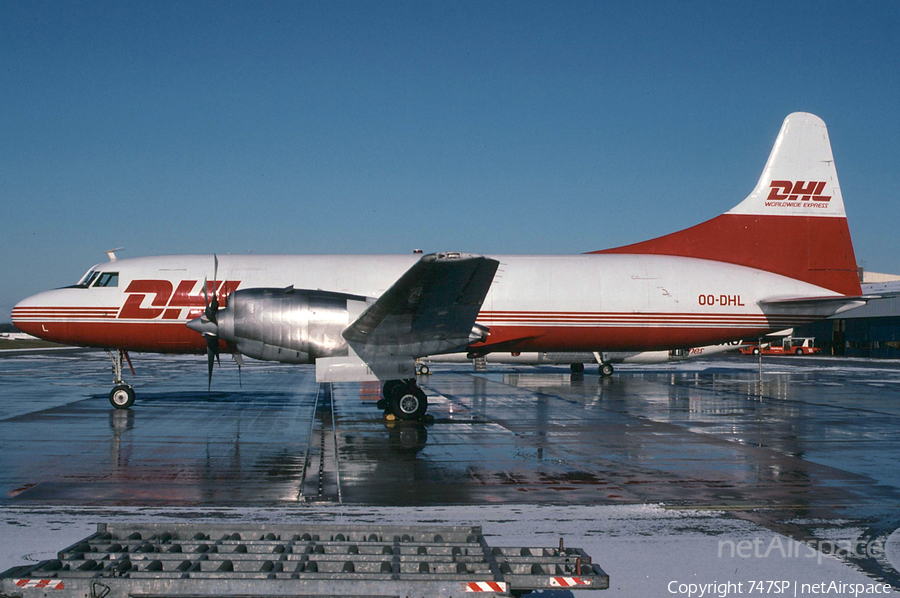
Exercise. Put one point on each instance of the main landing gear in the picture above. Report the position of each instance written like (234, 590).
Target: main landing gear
(404, 399)
(122, 395)
(605, 369)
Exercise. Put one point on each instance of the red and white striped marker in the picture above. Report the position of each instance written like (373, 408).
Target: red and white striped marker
(486, 586)
(568, 582)
(53, 584)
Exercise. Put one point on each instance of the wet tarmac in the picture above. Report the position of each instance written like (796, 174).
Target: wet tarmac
(814, 450)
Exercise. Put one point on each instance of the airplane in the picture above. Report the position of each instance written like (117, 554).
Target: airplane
(782, 257)
(576, 361)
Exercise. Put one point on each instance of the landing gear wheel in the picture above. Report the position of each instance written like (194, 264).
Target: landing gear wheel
(390, 387)
(122, 396)
(606, 370)
(424, 370)
(577, 368)
(410, 403)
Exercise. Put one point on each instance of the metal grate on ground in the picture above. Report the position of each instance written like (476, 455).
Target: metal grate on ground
(181, 560)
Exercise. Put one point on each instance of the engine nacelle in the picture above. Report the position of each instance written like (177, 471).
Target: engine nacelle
(288, 325)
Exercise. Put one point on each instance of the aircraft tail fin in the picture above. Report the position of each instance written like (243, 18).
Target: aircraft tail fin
(793, 223)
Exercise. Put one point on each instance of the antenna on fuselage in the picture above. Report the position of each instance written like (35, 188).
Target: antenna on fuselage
(112, 253)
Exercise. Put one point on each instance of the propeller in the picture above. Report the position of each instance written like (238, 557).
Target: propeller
(208, 325)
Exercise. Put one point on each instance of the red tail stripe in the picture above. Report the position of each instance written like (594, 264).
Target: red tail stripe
(813, 249)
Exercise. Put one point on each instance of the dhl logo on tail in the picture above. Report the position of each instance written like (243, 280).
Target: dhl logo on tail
(783, 192)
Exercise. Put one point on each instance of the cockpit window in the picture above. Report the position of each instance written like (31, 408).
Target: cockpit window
(107, 279)
(88, 279)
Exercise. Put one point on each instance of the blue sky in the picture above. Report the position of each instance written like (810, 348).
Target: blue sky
(379, 127)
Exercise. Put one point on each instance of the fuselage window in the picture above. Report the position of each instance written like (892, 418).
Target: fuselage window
(108, 279)
(88, 279)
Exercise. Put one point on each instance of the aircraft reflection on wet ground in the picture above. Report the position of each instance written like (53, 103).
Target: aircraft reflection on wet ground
(816, 443)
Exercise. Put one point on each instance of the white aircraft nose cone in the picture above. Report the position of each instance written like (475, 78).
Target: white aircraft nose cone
(18, 312)
(34, 314)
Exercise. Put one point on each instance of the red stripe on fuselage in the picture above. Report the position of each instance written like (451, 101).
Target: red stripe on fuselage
(174, 337)
(153, 336)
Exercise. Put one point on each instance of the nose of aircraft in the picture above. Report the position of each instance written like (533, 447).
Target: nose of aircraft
(27, 313)
(47, 315)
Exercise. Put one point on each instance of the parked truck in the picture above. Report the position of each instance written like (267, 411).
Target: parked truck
(788, 345)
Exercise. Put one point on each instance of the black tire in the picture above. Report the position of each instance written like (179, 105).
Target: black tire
(606, 370)
(390, 387)
(798, 351)
(121, 397)
(756, 350)
(410, 403)
(577, 368)
(424, 370)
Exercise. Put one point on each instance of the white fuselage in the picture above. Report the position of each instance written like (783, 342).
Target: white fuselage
(584, 302)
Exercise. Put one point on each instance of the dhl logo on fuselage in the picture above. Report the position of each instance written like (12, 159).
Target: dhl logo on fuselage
(789, 193)
(169, 302)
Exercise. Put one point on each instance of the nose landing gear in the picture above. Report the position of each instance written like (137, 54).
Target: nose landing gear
(122, 395)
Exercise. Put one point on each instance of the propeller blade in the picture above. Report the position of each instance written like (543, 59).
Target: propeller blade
(214, 302)
(212, 353)
(239, 360)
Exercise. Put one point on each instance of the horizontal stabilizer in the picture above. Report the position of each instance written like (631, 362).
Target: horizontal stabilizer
(818, 300)
(830, 305)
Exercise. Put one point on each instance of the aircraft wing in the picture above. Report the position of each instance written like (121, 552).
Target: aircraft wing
(434, 302)
(430, 310)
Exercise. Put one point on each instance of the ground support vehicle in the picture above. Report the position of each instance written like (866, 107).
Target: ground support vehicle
(196, 560)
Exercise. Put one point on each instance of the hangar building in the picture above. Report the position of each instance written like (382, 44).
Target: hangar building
(872, 330)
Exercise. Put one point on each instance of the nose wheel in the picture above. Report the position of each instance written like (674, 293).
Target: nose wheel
(122, 395)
